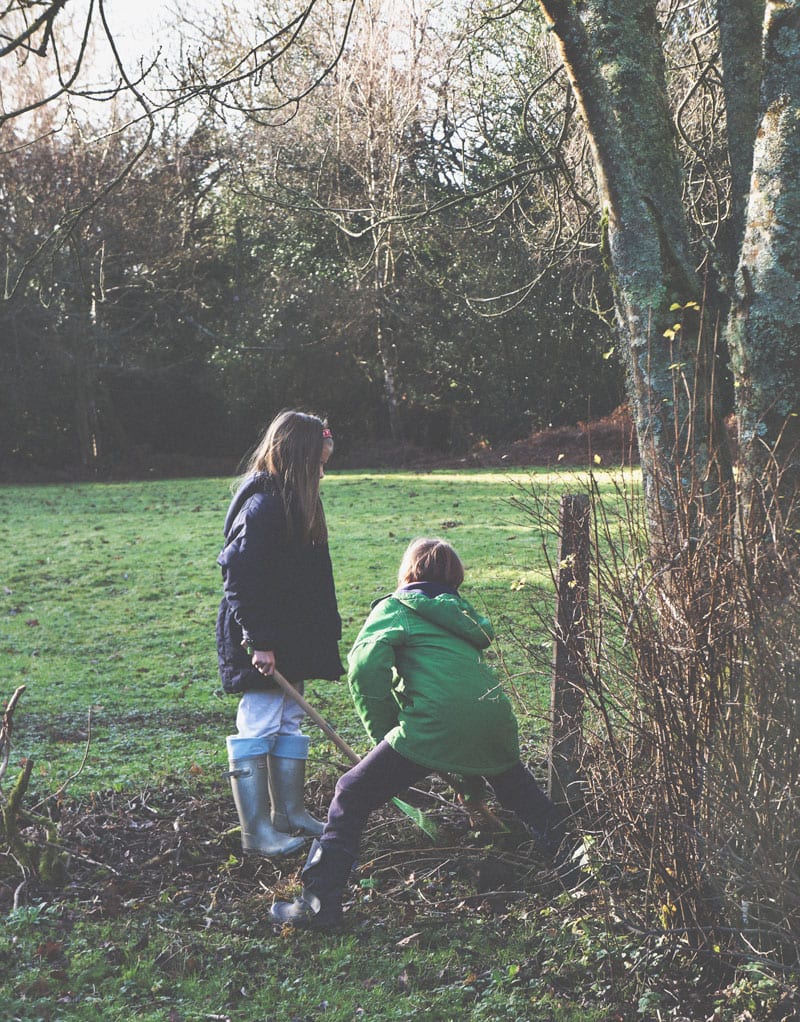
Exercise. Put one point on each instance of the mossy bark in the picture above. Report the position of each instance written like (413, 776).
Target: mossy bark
(614, 56)
(740, 30)
(764, 330)
(9, 822)
(42, 857)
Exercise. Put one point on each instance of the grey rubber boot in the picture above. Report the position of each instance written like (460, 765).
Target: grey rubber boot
(287, 778)
(319, 907)
(249, 775)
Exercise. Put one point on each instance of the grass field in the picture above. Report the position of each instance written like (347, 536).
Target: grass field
(109, 595)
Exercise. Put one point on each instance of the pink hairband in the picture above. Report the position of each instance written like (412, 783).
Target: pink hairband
(326, 433)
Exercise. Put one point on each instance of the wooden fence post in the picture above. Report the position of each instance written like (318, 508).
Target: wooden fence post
(567, 687)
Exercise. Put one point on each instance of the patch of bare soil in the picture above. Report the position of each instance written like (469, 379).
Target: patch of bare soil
(166, 846)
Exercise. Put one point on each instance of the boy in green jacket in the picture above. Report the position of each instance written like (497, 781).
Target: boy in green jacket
(429, 701)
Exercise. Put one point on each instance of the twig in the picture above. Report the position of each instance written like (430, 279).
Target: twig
(62, 787)
(17, 894)
(6, 728)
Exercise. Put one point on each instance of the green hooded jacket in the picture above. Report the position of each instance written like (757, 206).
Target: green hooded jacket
(419, 680)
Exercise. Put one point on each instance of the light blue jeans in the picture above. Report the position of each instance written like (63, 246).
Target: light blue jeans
(268, 722)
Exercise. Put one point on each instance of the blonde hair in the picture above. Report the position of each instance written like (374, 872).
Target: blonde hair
(431, 560)
(291, 451)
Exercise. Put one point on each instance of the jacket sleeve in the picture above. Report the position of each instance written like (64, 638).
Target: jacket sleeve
(251, 570)
(371, 672)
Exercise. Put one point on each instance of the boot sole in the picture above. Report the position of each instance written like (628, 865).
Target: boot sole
(277, 854)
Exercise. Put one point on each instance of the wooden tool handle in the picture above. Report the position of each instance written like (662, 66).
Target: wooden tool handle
(318, 719)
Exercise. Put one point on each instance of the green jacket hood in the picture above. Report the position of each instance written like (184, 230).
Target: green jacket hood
(451, 612)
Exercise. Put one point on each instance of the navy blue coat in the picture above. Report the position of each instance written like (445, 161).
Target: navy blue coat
(279, 595)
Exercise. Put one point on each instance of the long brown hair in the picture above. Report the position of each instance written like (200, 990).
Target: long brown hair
(291, 451)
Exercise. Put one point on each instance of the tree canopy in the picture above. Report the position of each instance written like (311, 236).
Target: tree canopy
(269, 213)
(444, 233)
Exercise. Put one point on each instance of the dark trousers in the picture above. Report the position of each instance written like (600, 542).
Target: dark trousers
(383, 773)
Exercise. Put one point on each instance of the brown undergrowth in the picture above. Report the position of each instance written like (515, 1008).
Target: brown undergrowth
(172, 846)
(170, 857)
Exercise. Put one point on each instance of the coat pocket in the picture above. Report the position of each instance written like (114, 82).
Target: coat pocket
(231, 657)
(236, 671)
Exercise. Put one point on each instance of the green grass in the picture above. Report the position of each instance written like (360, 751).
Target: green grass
(108, 600)
(108, 596)
(475, 969)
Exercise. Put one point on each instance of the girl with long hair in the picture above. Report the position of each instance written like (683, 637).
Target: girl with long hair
(278, 611)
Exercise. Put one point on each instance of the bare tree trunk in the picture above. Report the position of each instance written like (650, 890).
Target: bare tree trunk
(385, 352)
(740, 24)
(82, 413)
(381, 90)
(384, 278)
(614, 57)
(764, 330)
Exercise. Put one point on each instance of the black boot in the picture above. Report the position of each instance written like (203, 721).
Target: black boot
(561, 850)
(319, 906)
(518, 790)
(545, 840)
